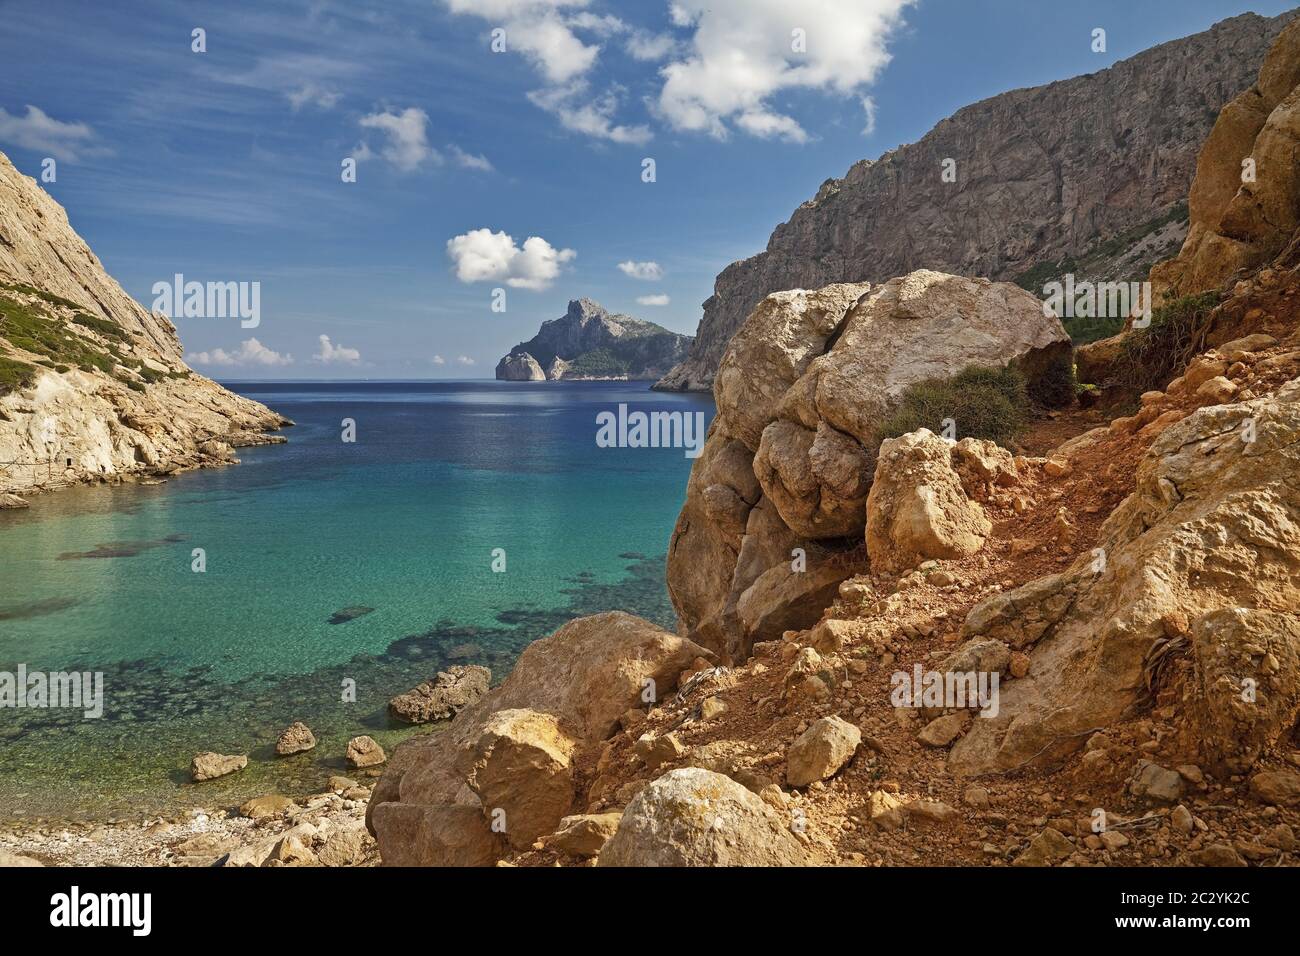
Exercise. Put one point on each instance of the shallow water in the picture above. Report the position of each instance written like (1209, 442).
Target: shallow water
(404, 521)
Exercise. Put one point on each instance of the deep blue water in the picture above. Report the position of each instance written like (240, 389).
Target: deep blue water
(405, 520)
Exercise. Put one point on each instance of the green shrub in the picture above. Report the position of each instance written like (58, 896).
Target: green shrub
(15, 375)
(990, 403)
(1150, 357)
(30, 328)
(1057, 386)
(104, 327)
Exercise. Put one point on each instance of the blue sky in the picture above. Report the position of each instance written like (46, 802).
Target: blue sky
(225, 165)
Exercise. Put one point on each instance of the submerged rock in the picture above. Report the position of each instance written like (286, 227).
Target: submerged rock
(364, 752)
(446, 695)
(209, 765)
(346, 614)
(296, 738)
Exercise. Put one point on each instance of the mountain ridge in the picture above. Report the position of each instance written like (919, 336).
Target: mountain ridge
(1126, 159)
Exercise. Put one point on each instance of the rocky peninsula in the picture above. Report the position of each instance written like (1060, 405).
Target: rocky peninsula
(587, 343)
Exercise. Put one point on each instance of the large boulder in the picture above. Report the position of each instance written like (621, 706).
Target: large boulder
(1200, 561)
(523, 773)
(695, 817)
(918, 508)
(801, 393)
(513, 750)
(450, 692)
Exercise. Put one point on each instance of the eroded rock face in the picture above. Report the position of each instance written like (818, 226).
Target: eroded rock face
(514, 749)
(166, 418)
(918, 509)
(1241, 219)
(1030, 189)
(695, 817)
(1203, 554)
(790, 457)
(520, 367)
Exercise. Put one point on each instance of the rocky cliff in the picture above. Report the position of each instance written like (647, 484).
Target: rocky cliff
(93, 386)
(940, 652)
(1032, 191)
(587, 342)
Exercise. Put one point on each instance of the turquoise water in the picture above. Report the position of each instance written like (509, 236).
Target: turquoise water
(405, 520)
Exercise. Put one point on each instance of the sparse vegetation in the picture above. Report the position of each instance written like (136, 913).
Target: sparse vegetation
(15, 375)
(990, 403)
(32, 328)
(1150, 357)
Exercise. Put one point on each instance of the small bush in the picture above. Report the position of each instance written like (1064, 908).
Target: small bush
(1150, 357)
(1057, 386)
(991, 403)
(15, 375)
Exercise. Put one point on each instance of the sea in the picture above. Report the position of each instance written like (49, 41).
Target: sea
(404, 527)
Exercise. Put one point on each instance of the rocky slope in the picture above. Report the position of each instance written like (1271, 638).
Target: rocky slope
(93, 386)
(587, 342)
(1031, 192)
(1086, 653)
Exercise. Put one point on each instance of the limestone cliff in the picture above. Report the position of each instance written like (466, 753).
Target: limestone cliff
(587, 342)
(1243, 202)
(1032, 191)
(93, 386)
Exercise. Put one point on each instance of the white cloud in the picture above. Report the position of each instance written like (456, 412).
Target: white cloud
(464, 360)
(643, 45)
(539, 30)
(439, 360)
(646, 271)
(408, 145)
(41, 132)
(311, 94)
(741, 54)
(330, 353)
(657, 299)
(594, 117)
(869, 108)
(485, 256)
(250, 352)
(468, 160)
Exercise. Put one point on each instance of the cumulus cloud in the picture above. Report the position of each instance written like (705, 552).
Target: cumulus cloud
(43, 133)
(464, 360)
(408, 143)
(330, 353)
(646, 271)
(482, 255)
(545, 32)
(439, 360)
(657, 299)
(540, 31)
(577, 110)
(742, 53)
(250, 352)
